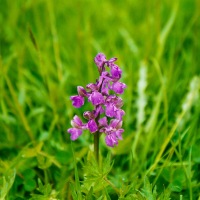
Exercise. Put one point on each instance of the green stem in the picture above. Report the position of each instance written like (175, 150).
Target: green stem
(96, 146)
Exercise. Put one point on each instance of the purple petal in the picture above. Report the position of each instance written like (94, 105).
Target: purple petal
(104, 88)
(116, 72)
(100, 59)
(110, 110)
(96, 98)
(76, 122)
(119, 133)
(102, 130)
(111, 61)
(117, 101)
(77, 101)
(111, 140)
(103, 121)
(107, 76)
(115, 123)
(92, 126)
(118, 87)
(75, 133)
(119, 114)
(99, 110)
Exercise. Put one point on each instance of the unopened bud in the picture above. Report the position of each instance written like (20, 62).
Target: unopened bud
(88, 115)
(81, 91)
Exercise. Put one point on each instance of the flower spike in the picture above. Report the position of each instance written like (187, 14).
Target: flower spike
(104, 103)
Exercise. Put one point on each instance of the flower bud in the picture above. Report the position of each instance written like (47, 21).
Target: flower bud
(81, 91)
(89, 115)
(92, 87)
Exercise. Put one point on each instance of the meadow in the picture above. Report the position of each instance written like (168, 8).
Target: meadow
(47, 49)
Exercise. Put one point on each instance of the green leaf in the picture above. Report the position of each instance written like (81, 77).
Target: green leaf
(29, 185)
(73, 191)
(176, 186)
(28, 174)
(165, 195)
(44, 189)
(89, 195)
(107, 164)
(6, 183)
(179, 175)
(44, 162)
(46, 192)
(147, 191)
(94, 175)
(106, 193)
(195, 153)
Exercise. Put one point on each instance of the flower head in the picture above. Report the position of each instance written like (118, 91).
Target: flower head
(107, 114)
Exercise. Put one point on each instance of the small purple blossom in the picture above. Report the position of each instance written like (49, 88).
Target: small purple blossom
(75, 133)
(116, 72)
(77, 123)
(110, 110)
(96, 98)
(103, 122)
(77, 101)
(78, 127)
(92, 126)
(103, 102)
(118, 87)
(100, 60)
(113, 132)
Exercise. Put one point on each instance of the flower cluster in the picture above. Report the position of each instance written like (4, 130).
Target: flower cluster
(107, 114)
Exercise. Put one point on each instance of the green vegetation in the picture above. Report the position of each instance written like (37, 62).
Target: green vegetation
(47, 49)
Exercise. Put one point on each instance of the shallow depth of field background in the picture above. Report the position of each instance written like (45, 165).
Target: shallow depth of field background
(47, 49)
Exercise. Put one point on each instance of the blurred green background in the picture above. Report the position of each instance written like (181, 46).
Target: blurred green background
(47, 50)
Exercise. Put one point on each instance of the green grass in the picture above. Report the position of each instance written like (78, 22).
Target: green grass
(47, 49)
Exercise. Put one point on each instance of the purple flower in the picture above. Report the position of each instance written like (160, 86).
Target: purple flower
(116, 72)
(77, 123)
(107, 107)
(77, 129)
(75, 133)
(96, 98)
(77, 101)
(118, 87)
(113, 111)
(119, 113)
(117, 101)
(100, 59)
(92, 126)
(103, 122)
(111, 140)
(110, 110)
(113, 132)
